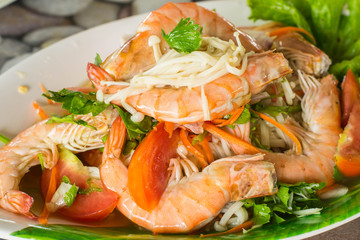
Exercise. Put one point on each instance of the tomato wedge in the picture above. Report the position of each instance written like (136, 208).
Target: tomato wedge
(347, 156)
(350, 93)
(93, 206)
(148, 169)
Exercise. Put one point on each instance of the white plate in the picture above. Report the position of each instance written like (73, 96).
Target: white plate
(63, 65)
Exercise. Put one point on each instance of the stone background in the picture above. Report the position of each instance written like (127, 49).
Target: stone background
(26, 26)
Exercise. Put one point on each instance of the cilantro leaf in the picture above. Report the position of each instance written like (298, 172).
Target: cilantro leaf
(70, 195)
(98, 60)
(69, 119)
(136, 130)
(4, 139)
(185, 37)
(77, 102)
(244, 116)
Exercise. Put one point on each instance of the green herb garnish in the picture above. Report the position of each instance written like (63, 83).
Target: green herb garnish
(136, 130)
(69, 119)
(91, 188)
(41, 160)
(98, 60)
(185, 37)
(77, 102)
(70, 195)
(199, 138)
(276, 110)
(284, 204)
(65, 179)
(4, 139)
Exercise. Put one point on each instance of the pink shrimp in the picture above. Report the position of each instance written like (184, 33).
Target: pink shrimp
(20, 154)
(319, 136)
(195, 200)
(135, 55)
(184, 105)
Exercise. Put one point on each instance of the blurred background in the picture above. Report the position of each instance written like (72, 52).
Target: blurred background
(26, 26)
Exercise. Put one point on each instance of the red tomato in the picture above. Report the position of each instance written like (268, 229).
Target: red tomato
(88, 207)
(148, 169)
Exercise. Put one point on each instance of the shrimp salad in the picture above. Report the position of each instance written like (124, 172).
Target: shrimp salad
(194, 125)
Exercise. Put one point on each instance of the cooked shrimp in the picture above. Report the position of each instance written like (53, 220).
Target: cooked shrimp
(319, 136)
(184, 105)
(136, 55)
(200, 197)
(301, 54)
(19, 155)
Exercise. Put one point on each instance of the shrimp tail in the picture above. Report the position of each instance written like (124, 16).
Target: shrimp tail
(96, 74)
(17, 202)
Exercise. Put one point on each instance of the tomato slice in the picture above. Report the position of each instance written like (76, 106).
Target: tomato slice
(350, 93)
(93, 206)
(148, 169)
(347, 156)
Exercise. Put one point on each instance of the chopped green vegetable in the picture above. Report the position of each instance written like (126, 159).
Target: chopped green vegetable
(91, 188)
(69, 119)
(77, 102)
(185, 37)
(135, 130)
(199, 138)
(98, 60)
(41, 160)
(340, 69)
(244, 116)
(337, 174)
(4, 139)
(129, 146)
(287, 203)
(65, 179)
(70, 195)
(261, 214)
(276, 110)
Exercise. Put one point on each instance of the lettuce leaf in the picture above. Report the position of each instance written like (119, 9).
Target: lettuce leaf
(278, 10)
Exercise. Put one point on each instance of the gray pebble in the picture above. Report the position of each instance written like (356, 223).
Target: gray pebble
(57, 7)
(12, 62)
(39, 36)
(142, 6)
(97, 13)
(15, 21)
(11, 48)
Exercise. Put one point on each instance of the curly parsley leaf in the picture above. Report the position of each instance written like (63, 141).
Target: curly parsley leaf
(69, 119)
(185, 37)
(77, 102)
(98, 60)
